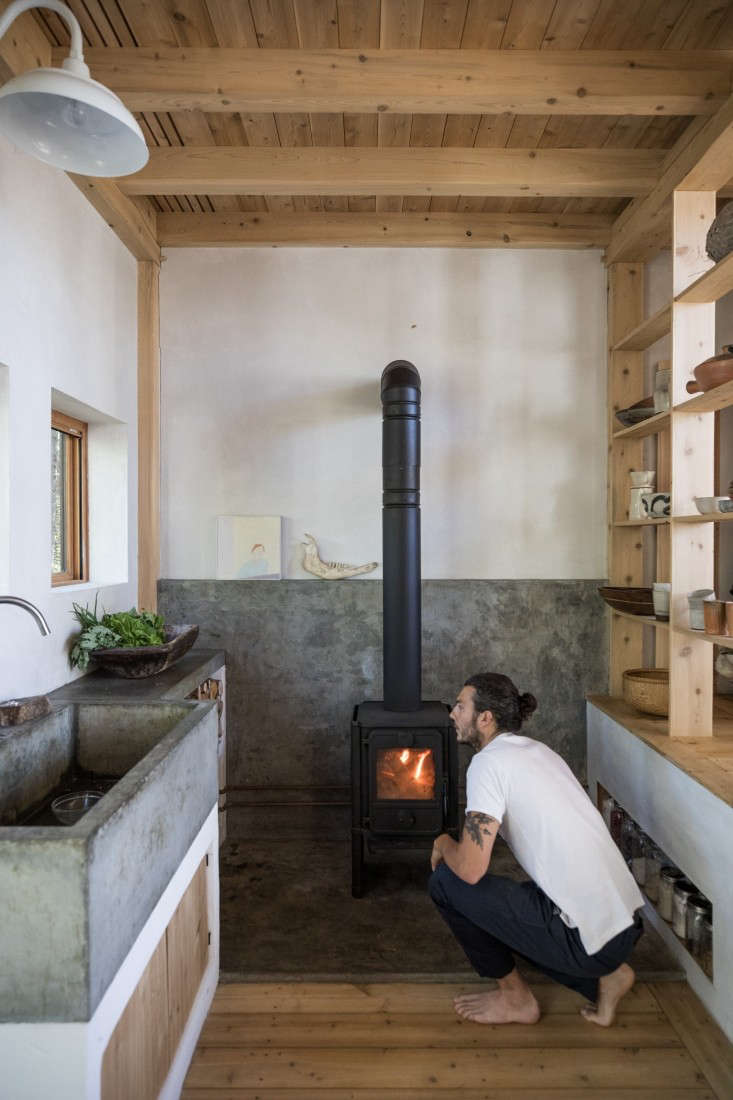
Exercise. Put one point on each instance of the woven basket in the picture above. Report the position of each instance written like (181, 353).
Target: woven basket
(647, 689)
(719, 241)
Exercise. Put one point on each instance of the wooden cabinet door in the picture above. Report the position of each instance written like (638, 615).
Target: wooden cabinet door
(141, 1048)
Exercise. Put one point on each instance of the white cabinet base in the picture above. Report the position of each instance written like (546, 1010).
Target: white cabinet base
(64, 1060)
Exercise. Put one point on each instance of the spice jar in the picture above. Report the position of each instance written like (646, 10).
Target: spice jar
(683, 891)
(617, 822)
(668, 876)
(638, 856)
(698, 911)
(628, 834)
(651, 874)
(706, 952)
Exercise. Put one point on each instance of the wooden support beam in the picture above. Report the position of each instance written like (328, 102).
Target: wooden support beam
(148, 441)
(391, 230)
(705, 151)
(565, 82)
(133, 220)
(23, 47)
(521, 173)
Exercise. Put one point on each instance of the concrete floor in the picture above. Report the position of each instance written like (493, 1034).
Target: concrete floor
(287, 912)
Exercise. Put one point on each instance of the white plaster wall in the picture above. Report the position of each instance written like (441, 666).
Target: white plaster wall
(270, 403)
(68, 322)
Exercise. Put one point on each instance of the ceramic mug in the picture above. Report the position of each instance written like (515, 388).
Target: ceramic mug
(660, 597)
(641, 479)
(714, 612)
(656, 504)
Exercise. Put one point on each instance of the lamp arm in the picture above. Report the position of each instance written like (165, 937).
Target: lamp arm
(17, 8)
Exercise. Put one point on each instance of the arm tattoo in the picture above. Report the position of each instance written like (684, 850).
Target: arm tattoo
(478, 826)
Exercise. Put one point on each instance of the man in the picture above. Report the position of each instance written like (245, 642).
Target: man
(577, 920)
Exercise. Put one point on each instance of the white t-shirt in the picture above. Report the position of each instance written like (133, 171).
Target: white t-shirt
(556, 834)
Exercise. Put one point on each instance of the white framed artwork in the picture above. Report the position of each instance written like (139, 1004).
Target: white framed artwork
(249, 548)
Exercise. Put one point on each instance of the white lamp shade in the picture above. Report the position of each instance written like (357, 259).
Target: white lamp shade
(71, 122)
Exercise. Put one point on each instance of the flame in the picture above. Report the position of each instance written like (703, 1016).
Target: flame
(404, 756)
(420, 763)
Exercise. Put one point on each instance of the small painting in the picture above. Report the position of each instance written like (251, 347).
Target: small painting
(249, 548)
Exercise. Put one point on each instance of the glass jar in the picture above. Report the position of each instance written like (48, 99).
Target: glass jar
(668, 876)
(698, 911)
(651, 874)
(617, 823)
(638, 856)
(629, 833)
(706, 952)
(607, 806)
(683, 891)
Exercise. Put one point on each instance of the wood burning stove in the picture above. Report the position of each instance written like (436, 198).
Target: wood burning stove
(404, 756)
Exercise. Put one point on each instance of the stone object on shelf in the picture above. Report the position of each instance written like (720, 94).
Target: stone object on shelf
(695, 602)
(15, 711)
(330, 570)
(138, 662)
(719, 241)
(647, 689)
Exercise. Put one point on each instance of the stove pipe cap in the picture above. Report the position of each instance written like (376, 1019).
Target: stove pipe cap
(399, 373)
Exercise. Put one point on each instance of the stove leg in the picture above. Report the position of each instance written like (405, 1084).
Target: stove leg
(357, 865)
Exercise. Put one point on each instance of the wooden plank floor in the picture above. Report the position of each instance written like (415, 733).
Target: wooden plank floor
(402, 1041)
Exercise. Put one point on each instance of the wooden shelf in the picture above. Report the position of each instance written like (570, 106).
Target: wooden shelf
(653, 424)
(711, 517)
(713, 285)
(709, 760)
(648, 332)
(719, 398)
(641, 522)
(714, 639)
(645, 620)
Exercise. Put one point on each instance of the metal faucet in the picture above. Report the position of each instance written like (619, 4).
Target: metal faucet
(31, 609)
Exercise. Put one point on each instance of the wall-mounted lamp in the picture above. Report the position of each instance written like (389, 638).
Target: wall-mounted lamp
(63, 117)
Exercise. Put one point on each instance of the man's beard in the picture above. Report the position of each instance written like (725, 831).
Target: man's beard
(471, 737)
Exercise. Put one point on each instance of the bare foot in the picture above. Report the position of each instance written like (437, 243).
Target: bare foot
(498, 1007)
(611, 988)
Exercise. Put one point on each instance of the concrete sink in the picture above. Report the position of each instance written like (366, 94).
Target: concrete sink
(73, 899)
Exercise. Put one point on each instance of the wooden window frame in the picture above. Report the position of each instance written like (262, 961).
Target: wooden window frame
(76, 494)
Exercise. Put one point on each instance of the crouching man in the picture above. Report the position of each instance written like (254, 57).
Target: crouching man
(578, 919)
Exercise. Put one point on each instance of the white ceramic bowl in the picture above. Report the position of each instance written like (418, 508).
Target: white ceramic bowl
(706, 505)
(640, 479)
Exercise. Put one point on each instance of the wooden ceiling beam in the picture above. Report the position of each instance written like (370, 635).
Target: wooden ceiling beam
(23, 47)
(433, 230)
(702, 159)
(578, 82)
(520, 173)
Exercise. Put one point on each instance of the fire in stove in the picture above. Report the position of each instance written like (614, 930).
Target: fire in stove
(405, 773)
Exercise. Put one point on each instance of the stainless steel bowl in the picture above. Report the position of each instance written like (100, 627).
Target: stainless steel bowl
(69, 808)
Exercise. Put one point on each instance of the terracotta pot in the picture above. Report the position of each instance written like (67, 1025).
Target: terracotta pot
(713, 372)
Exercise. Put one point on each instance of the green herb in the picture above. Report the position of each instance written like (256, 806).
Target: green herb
(125, 629)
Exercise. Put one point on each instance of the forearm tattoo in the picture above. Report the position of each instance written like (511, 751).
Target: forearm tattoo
(478, 826)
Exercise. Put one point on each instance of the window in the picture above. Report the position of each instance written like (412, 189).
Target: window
(69, 522)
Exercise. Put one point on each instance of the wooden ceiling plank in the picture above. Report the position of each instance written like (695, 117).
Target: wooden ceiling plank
(491, 172)
(698, 25)
(404, 230)
(232, 23)
(400, 28)
(701, 156)
(150, 23)
(610, 24)
(493, 133)
(485, 24)
(569, 24)
(441, 81)
(359, 29)
(443, 20)
(109, 15)
(527, 24)
(653, 23)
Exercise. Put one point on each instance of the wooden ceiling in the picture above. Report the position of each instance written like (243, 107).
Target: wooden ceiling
(423, 169)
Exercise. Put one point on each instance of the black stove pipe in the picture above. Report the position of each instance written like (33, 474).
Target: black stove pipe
(400, 391)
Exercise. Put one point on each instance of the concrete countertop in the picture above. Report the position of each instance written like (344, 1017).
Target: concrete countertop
(175, 682)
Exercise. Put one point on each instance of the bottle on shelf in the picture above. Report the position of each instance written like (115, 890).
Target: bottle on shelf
(683, 891)
(668, 876)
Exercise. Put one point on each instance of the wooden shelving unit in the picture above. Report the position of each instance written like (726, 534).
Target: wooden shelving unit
(683, 544)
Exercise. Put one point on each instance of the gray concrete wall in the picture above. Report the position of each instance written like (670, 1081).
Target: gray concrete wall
(300, 654)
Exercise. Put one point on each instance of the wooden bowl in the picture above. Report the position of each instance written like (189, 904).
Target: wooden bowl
(647, 689)
(137, 662)
(635, 601)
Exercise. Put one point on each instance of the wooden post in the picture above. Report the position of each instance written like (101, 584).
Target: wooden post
(692, 436)
(625, 382)
(148, 409)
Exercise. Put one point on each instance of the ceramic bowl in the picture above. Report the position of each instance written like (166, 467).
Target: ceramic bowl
(641, 479)
(635, 601)
(706, 505)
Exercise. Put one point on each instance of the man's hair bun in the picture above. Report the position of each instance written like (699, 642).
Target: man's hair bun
(527, 705)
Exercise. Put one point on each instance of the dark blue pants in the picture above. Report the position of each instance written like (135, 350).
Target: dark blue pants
(499, 918)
